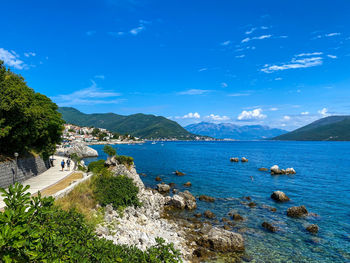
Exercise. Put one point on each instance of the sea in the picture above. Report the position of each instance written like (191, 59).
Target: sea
(321, 183)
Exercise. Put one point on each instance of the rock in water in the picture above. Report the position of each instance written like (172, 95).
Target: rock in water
(297, 211)
(206, 198)
(244, 160)
(312, 228)
(275, 170)
(163, 188)
(158, 179)
(177, 202)
(221, 240)
(178, 173)
(279, 196)
(263, 169)
(290, 171)
(188, 184)
(190, 200)
(237, 217)
(269, 227)
(235, 160)
(209, 214)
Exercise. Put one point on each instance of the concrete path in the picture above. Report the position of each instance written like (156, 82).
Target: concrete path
(46, 179)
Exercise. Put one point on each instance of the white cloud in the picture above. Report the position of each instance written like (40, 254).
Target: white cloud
(332, 34)
(90, 33)
(116, 34)
(294, 64)
(286, 118)
(135, 31)
(324, 112)
(193, 92)
(11, 58)
(217, 117)
(88, 96)
(250, 31)
(256, 38)
(29, 54)
(251, 115)
(273, 109)
(190, 115)
(240, 56)
(332, 56)
(309, 54)
(226, 43)
(278, 78)
(305, 113)
(202, 69)
(238, 94)
(224, 85)
(99, 77)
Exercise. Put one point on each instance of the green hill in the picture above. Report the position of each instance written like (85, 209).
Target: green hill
(333, 128)
(138, 125)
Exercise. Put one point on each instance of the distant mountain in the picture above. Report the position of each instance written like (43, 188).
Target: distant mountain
(333, 128)
(232, 131)
(138, 125)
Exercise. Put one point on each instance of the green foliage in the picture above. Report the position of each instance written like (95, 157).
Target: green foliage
(96, 167)
(120, 191)
(109, 150)
(139, 125)
(28, 120)
(37, 231)
(126, 160)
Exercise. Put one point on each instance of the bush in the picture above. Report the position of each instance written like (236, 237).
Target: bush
(120, 191)
(96, 166)
(109, 150)
(37, 231)
(126, 160)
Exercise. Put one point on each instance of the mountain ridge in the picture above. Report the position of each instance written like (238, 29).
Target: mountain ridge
(233, 131)
(146, 126)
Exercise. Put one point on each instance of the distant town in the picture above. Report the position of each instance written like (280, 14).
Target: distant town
(91, 135)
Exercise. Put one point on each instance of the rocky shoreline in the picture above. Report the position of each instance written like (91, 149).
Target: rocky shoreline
(157, 218)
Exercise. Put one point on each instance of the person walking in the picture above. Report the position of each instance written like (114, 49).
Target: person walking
(68, 164)
(62, 165)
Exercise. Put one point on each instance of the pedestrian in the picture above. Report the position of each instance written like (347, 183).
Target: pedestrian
(68, 164)
(62, 165)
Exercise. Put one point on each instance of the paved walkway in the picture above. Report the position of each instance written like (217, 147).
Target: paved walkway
(46, 179)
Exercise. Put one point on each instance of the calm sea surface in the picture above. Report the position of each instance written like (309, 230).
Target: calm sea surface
(322, 184)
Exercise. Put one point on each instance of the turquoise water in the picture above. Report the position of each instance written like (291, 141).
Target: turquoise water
(322, 184)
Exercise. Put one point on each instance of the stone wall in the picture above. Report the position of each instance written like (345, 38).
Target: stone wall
(26, 168)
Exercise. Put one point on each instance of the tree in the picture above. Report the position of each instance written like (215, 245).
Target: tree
(109, 150)
(95, 132)
(28, 120)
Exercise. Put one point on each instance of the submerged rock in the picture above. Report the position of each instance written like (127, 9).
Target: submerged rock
(163, 188)
(237, 217)
(209, 214)
(263, 169)
(279, 196)
(158, 179)
(269, 227)
(252, 204)
(221, 240)
(313, 228)
(297, 211)
(206, 198)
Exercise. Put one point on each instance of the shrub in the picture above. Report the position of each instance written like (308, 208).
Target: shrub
(120, 191)
(37, 231)
(96, 166)
(109, 150)
(126, 160)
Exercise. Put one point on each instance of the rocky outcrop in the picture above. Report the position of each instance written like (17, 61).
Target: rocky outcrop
(81, 149)
(183, 200)
(206, 198)
(275, 170)
(279, 196)
(269, 227)
(313, 228)
(209, 214)
(221, 240)
(244, 160)
(235, 159)
(297, 211)
(163, 188)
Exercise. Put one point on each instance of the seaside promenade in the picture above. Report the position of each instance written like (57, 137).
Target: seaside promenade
(46, 179)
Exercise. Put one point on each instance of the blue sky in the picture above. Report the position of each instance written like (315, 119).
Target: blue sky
(277, 63)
